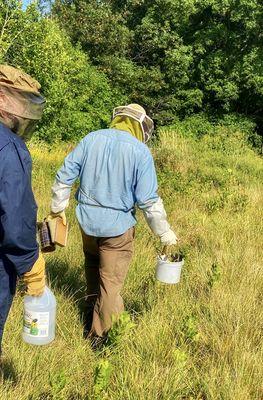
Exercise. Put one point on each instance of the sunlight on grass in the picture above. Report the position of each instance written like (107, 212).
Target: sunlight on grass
(200, 339)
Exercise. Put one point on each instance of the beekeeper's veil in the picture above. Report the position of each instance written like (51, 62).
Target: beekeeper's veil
(134, 119)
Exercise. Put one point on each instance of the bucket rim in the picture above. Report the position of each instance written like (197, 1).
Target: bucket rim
(159, 258)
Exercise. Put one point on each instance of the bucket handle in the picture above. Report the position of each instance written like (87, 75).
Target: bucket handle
(165, 249)
(167, 254)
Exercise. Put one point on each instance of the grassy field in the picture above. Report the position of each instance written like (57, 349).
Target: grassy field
(201, 339)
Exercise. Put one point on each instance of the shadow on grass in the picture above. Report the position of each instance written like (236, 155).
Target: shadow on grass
(145, 298)
(134, 308)
(7, 372)
(49, 396)
(70, 282)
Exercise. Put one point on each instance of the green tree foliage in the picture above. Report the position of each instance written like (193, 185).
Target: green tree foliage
(176, 57)
(79, 98)
(12, 22)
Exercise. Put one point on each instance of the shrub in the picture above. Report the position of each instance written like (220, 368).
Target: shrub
(79, 98)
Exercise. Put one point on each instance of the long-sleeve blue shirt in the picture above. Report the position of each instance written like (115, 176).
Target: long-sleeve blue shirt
(116, 171)
(18, 210)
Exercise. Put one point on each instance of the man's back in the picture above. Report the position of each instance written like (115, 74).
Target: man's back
(116, 171)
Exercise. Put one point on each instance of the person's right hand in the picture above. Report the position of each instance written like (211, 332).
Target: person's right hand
(168, 238)
(35, 279)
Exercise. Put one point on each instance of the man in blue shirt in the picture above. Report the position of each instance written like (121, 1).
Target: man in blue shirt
(21, 106)
(116, 172)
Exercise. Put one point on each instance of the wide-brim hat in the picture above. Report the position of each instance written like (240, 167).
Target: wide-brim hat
(19, 93)
(17, 79)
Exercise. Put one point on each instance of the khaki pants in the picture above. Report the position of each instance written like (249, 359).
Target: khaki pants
(107, 262)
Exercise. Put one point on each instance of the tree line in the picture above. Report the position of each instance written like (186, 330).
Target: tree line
(177, 58)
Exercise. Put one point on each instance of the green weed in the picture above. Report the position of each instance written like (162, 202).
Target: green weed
(190, 328)
(214, 275)
(102, 376)
(57, 383)
(121, 327)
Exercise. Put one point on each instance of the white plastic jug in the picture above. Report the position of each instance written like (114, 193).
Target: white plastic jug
(39, 318)
(168, 271)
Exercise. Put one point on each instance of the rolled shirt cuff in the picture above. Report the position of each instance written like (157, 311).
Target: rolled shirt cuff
(60, 196)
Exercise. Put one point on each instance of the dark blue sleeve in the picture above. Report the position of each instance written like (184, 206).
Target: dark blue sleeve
(18, 210)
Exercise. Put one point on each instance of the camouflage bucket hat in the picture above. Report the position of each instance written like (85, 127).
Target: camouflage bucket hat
(17, 79)
(19, 94)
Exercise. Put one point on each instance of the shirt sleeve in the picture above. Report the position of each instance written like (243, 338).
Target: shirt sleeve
(60, 196)
(146, 185)
(18, 210)
(70, 170)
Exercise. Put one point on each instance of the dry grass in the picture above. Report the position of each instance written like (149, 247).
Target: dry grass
(201, 339)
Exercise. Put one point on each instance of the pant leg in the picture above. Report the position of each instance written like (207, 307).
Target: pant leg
(115, 257)
(8, 279)
(92, 262)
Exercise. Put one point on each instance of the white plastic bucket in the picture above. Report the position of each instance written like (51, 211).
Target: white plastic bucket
(168, 271)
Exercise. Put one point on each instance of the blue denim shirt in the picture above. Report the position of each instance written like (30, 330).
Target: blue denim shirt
(18, 210)
(116, 171)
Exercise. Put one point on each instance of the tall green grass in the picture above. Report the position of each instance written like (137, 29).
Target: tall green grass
(201, 339)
